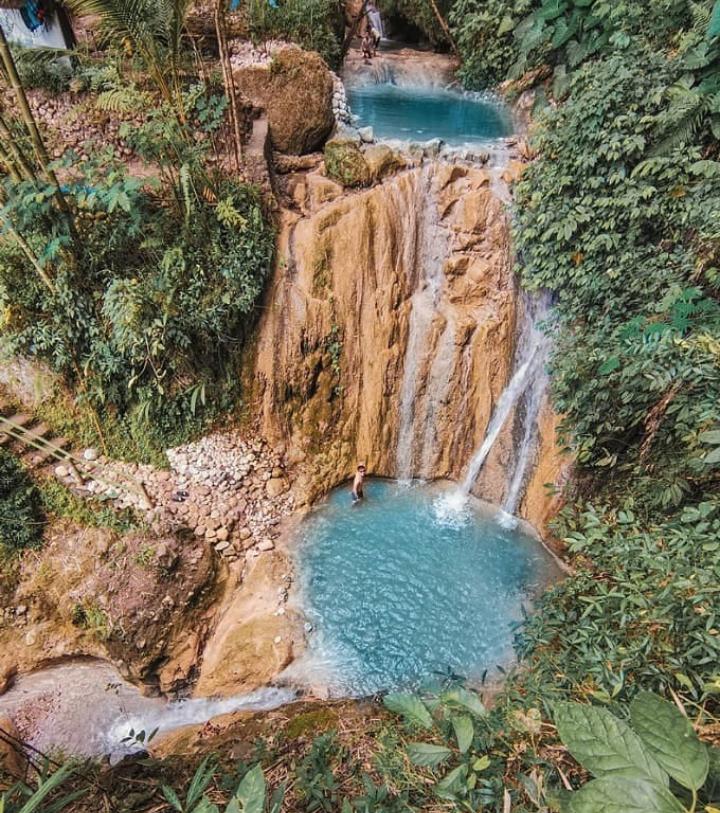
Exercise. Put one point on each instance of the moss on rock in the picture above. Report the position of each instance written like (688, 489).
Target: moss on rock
(345, 163)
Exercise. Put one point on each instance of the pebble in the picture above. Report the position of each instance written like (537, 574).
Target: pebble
(61, 472)
(277, 639)
(90, 454)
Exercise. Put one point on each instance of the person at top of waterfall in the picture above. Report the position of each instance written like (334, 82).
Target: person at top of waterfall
(367, 46)
(357, 489)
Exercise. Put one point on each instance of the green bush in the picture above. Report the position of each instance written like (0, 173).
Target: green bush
(21, 518)
(483, 30)
(316, 25)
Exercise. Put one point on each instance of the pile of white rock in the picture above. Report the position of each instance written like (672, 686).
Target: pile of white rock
(340, 106)
(230, 490)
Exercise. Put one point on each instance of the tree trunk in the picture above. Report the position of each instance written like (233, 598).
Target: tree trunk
(352, 31)
(445, 27)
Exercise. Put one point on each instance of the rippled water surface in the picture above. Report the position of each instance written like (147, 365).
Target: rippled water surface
(421, 114)
(412, 582)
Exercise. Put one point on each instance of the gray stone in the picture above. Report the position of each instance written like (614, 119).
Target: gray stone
(366, 134)
(61, 471)
(266, 544)
(221, 546)
(91, 454)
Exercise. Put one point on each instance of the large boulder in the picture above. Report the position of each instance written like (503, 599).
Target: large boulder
(296, 91)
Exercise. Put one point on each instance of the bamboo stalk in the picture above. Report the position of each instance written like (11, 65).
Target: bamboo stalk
(19, 159)
(29, 121)
(228, 80)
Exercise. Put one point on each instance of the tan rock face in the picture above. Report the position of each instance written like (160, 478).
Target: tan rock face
(296, 91)
(390, 331)
(256, 637)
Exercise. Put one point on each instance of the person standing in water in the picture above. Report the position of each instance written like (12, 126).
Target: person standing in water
(357, 489)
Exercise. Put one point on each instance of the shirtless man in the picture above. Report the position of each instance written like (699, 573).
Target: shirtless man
(357, 489)
(367, 47)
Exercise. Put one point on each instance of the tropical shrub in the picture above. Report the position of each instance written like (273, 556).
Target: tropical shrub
(633, 764)
(21, 517)
(316, 25)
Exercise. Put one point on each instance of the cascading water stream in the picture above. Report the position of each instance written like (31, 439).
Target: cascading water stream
(507, 401)
(529, 373)
(429, 266)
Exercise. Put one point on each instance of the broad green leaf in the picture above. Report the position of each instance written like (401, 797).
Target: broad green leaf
(714, 27)
(609, 366)
(671, 739)
(481, 763)
(449, 786)
(427, 755)
(408, 706)
(713, 457)
(604, 745)
(251, 791)
(469, 701)
(464, 731)
(623, 795)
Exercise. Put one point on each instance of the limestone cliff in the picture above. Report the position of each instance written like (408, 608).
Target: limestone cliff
(390, 330)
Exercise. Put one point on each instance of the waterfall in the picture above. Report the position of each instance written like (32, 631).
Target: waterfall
(530, 358)
(428, 266)
(376, 22)
(530, 438)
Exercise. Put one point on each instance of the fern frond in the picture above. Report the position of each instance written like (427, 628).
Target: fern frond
(122, 100)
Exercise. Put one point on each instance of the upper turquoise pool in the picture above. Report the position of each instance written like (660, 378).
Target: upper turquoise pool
(421, 114)
(402, 588)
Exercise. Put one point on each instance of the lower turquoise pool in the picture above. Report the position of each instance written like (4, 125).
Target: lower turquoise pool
(422, 114)
(409, 585)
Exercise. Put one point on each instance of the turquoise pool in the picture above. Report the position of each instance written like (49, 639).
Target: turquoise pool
(407, 585)
(422, 114)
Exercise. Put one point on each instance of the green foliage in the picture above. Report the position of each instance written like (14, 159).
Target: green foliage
(155, 303)
(315, 25)
(634, 370)
(43, 69)
(646, 618)
(21, 517)
(483, 30)
(47, 797)
(90, 616)
(633, 767)
(422, 15)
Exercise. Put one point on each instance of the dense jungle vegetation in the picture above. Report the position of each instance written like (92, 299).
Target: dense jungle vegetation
(137, 293)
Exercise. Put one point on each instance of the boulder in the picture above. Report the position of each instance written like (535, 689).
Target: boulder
(345, 163)
(296, 92)
(12, 760)
(381, 160)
